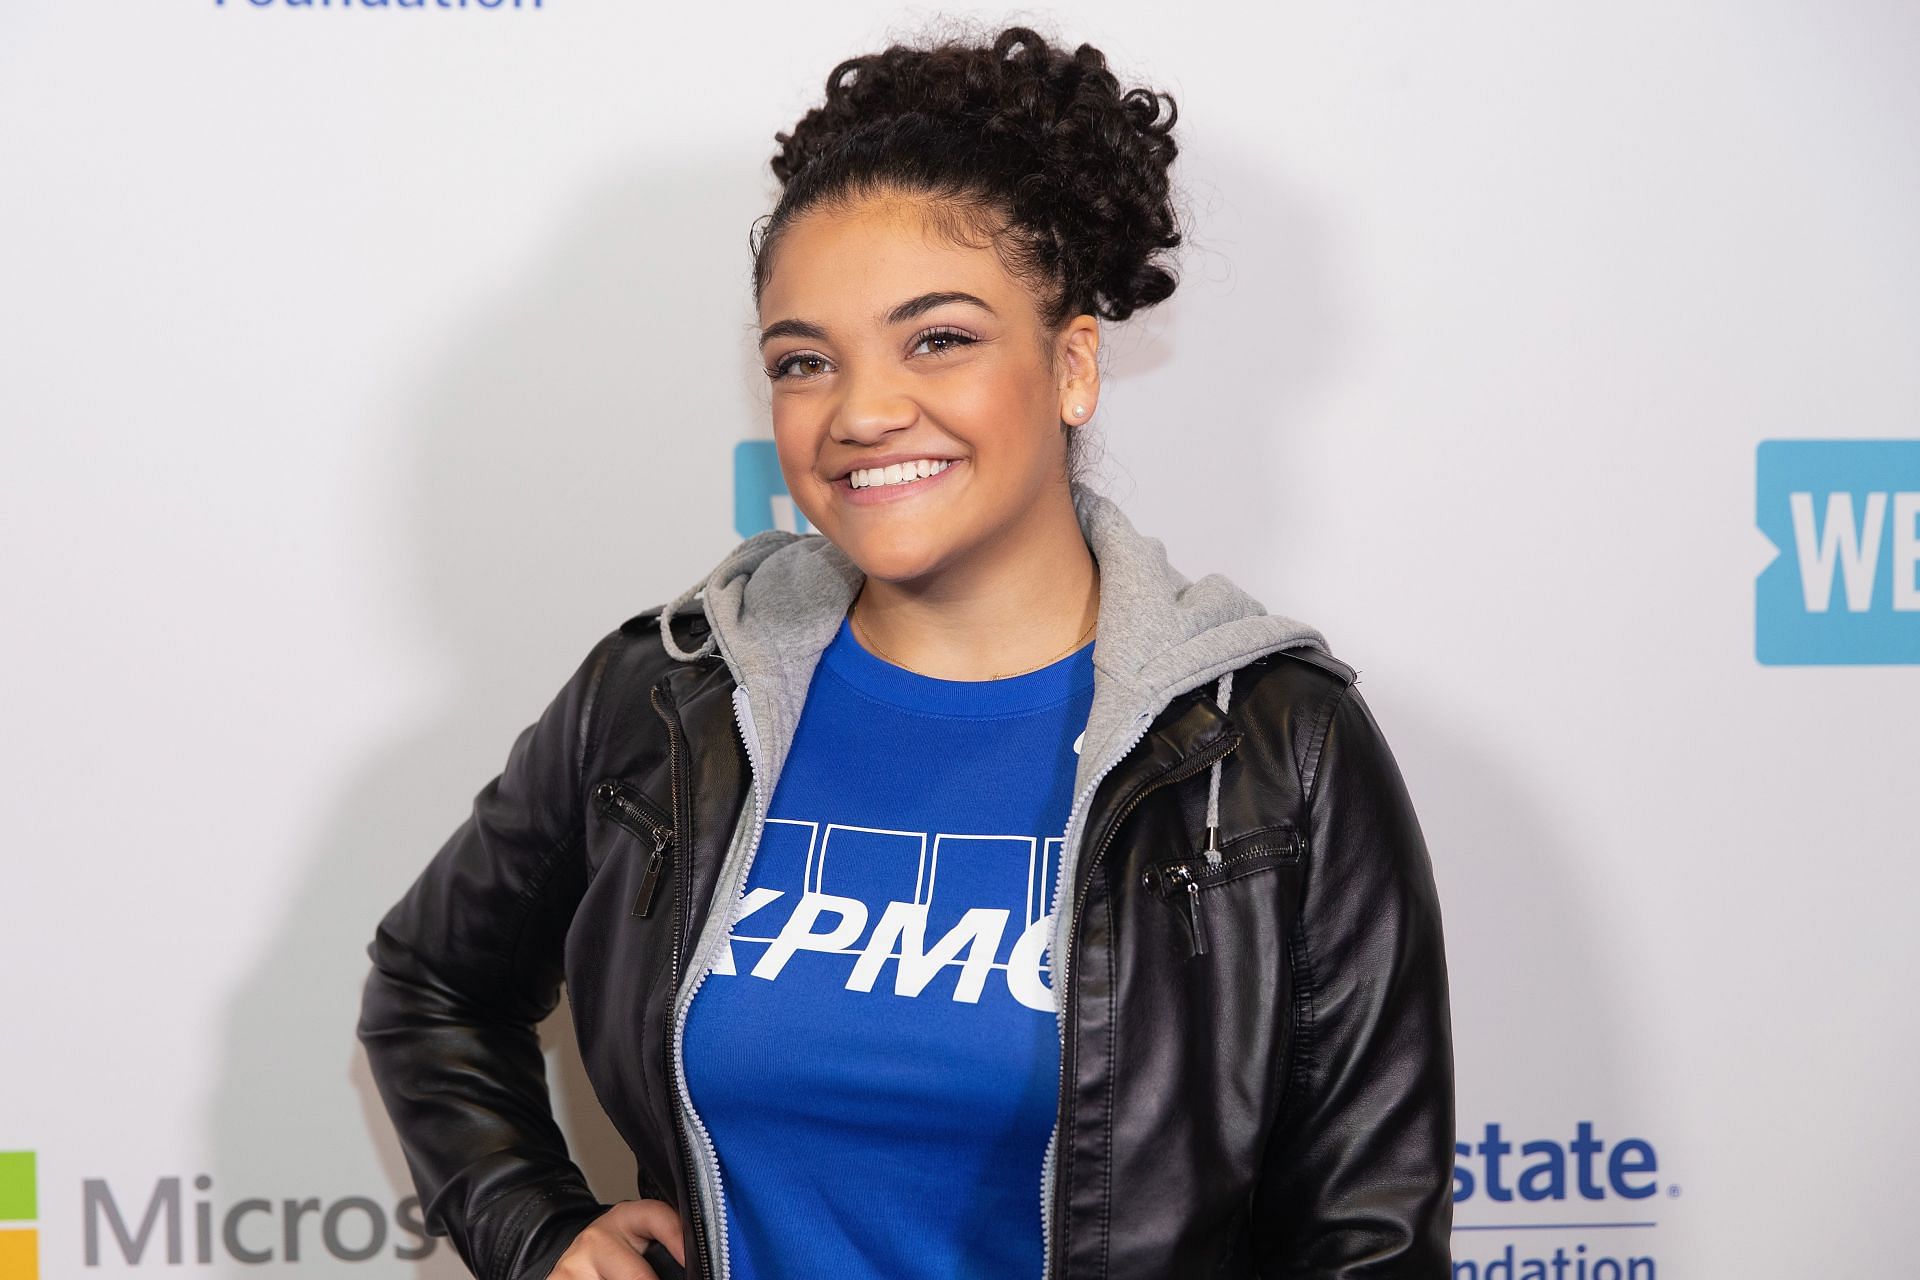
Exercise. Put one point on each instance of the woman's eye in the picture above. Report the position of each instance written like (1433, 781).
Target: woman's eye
(780, 368)
(949, 336)
(784, 367)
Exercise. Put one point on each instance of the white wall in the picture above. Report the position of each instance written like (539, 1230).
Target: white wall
(359, 368)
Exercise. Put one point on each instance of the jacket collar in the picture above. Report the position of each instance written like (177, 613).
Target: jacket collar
(777, 599)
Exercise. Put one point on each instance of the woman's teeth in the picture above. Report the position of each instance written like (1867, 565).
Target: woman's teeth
(898, 473)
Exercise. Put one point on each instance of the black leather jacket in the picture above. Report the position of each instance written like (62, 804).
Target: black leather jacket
(1279, 1103)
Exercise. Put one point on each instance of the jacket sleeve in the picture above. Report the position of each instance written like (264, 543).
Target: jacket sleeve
(1357, 1179)
(465, 965)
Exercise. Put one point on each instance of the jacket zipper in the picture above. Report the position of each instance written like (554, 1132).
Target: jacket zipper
(624, 810)
(743, 721)
(674, 1026)
(1140, 725)
(1170, 878)
(1186, 768)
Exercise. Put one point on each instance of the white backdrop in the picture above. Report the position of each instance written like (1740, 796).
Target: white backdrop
(360, 367)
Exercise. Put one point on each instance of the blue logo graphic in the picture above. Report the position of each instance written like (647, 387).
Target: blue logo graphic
(1844, 518)
(760, 498)
(1554, 1209)
(1588, 1167)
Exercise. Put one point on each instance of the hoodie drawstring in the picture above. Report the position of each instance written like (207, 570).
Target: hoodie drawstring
(1213, 786)
(707, 646)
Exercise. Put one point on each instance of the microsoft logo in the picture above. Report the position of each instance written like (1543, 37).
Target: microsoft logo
(19, 1240)
(160, 1227)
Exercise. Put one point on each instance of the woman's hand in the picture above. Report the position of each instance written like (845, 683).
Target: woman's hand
(612, 1245)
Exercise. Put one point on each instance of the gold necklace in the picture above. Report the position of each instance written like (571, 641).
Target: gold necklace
(853, 616)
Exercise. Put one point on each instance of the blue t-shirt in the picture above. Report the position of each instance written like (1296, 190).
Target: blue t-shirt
(876, 1053)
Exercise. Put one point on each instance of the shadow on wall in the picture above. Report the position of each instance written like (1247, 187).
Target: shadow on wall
(564, 465)
(560, 466)
(1542, 1035)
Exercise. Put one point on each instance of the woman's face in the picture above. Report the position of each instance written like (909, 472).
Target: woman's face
(875, 357)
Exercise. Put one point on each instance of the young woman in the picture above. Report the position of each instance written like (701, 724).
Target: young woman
(958, 890)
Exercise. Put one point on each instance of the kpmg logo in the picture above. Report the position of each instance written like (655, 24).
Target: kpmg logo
(1844, 519)
(1549, 1207)
(760, 498)
(981, 897)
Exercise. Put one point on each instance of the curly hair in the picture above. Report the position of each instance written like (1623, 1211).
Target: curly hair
(1035, 149)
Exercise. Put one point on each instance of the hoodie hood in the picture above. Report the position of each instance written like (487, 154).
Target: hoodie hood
(775, 602)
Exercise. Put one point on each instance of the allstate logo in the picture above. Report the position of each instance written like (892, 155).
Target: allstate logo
(760, 498)
(1546, 1169)
(1844, 520)
(1544, 1208)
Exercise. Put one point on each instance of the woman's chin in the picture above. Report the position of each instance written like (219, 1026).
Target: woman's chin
(901, 559)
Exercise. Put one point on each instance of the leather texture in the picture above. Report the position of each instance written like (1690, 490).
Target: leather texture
(1279, 1104)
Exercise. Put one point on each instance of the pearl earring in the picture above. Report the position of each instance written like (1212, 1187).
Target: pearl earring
(1079, 409)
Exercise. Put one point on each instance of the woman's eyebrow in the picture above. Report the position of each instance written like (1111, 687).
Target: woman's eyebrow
(904, 311)
(928, 301)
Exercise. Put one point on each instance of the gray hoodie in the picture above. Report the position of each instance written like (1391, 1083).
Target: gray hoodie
(776, 601)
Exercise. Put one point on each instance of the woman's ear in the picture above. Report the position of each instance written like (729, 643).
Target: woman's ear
(1079, 345)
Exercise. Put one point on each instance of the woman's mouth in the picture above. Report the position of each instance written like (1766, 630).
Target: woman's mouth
(873, 494)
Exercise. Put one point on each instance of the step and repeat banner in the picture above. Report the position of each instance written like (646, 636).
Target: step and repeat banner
(361, 364)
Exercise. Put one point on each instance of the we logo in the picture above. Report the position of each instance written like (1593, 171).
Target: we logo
(760, 498)
(1844, 518)
(19, 1206)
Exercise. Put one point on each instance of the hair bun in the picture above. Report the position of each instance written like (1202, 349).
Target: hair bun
(1047, 137)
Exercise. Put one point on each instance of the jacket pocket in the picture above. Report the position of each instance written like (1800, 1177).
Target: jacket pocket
(626, 807)
(1194, 885)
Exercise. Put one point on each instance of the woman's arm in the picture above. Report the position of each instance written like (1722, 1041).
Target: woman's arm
(1358, 1176)
(464, 967)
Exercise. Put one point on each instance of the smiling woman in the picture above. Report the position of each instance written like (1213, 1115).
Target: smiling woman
(958, 889)
(953, 222)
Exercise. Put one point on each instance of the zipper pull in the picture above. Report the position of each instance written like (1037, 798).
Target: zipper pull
(650, 882)
(1166, 880)
(629, 815)
(1199, 917)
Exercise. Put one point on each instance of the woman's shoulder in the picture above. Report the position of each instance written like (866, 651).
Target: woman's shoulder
(690, 627)
(1318, 659)
(1292, 678)
(623, 665)
(635, 653)
(1292, 698)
